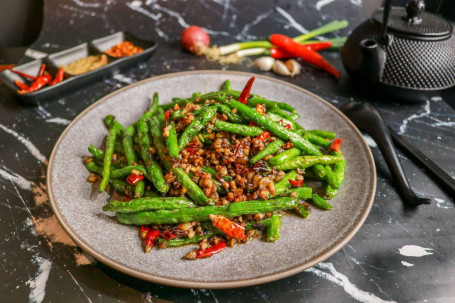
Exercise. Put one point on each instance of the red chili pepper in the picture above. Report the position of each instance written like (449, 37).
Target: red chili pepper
(21, 85)
(193, 144)
(246, 91)
(168, 235)
(127, 198)
(260, 108)
(317, 46)
(335, 146)
(264, 135)
(37, 84)
(228, 227)
(279, 53)
(208, 252)
(252, 124)
(27, 76)
(299, 50)
(58, 77)
(191, 150)
(41, 70)
(288, 126)
(296, 183)
(150, 239)
(133, 179)
(166, 115)
(144, 230)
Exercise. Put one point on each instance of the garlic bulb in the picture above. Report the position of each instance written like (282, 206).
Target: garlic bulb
(280, 68)
(293, 67)
(264, 63)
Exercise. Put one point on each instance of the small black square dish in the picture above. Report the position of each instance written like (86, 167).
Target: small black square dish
(81, 64)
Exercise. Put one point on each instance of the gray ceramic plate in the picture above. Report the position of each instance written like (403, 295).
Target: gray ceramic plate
(303, 243)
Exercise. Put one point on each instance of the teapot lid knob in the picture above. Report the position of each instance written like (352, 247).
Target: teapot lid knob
(414, 10)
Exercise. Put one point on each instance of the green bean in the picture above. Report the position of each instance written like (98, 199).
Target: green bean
(307, 161)
(108, 158)
(124, 172)
(285, 156)
(270, 149)
(302, 210)
(128, 145)
(283, 184)
(295, 116)
(172, 143)
(275, 128)
(93, 168)
(139, 189)
(155, 174)
(227, 85)
(274, 228)
(111, 122)
(319, 202)
(158, 142)
(98, 154)
(196, 126)
(202, 213)
(118, 148)
(185, 241)
(193, 190)
(209, 170)
(338, 170)
(303, 192)
(322, 133)
(284, 121)
(152, 108)
(122, 187)
(143, 204)
(317, 140)
(330, 192)
(224, 109)
(285, 116)
(244, 130)
(144, 139)
(311, 175)
(195, 94)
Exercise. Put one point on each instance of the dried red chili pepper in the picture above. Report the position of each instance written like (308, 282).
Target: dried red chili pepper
(238, 150)
(21, 85)
(208, 252)
(260, 167)
(133, 179)
(58, 77)
(166, 115)
(150, 238)
(228, 227)
(37, 84)
(241, 169)
(144, 230)
(306, 54)
(127, 198)
(193, 144)
(335, 146)
(264, 135)
(27, 76)
(191, 150)
(296, 183)
(41, 70)
(168, 235)
(246, 91)
(252, 124)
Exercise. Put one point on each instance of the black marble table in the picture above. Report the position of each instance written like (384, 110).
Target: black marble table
(399, 254)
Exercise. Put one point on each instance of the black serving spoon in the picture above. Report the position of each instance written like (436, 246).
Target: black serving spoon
(368, 119)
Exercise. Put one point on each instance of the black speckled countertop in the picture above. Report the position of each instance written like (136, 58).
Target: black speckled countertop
(398, 255)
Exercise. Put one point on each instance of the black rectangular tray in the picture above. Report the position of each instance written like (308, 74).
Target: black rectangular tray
(53, 61)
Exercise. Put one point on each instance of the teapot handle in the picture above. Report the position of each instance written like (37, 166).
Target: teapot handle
(385, 38)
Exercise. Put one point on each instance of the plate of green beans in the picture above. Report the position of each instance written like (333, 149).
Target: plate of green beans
(211, 179)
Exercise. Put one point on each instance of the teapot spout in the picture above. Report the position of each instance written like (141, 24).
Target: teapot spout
(372, 63)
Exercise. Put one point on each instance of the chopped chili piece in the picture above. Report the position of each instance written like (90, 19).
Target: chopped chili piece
(21, 85)
(42, 69)
(260, 108)
(166, 115)
(144, 230)
(150, 239)
(260, 166)
(288, 126)
(208, 252)
(241, 169)
(37, 84)
(193, 144)
(228, 227)
(58, 76)
(264, 135)
(238, 150)
(127, 198)
(191, 150)
(335, 146)
(252, 124)
(133, 179)
(246, 91)
(168, 235)
(296, 183)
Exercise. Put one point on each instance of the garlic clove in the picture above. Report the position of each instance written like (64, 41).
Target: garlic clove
(264, 63)
(293, 66)
(280, 68)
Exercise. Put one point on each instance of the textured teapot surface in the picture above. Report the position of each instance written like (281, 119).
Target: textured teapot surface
(417, 53)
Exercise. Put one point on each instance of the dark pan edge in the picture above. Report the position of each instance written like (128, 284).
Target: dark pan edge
(215, 285)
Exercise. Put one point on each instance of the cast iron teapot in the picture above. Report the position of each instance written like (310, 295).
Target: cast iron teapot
(406, 53)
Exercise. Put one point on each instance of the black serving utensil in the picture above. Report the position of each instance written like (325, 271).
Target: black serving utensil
(424, 160)
(368, 119)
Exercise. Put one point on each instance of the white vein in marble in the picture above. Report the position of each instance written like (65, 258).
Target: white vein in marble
(322, 3)
(20, 181)
(29, 145)
(332, 275)
(414, 251)
(292, 21)
(38, 283)
(58, 120)
(407, 264)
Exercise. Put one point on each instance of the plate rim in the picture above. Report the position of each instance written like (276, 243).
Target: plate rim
(202, 284)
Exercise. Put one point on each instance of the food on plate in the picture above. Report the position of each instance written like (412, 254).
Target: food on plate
(215, 170)
(124, 49)
(39, 81)
(86, 64)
